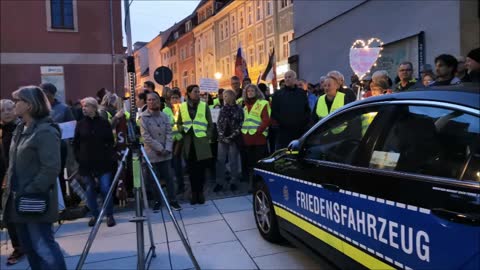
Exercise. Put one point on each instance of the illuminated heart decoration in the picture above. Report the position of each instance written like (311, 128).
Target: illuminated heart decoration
(363, 56)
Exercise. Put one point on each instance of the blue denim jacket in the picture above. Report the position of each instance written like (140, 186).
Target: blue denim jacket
(312, 100)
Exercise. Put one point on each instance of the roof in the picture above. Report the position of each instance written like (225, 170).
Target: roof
(464, 94)
(202, 3)
(138, 45)
(177, 27)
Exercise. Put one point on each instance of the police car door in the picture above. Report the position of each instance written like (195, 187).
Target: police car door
(417, 184)
(327, 153)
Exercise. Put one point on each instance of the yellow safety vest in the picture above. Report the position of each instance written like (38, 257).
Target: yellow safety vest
(173, 122)
(322, 109)
(199, 124)
(240, 101)
(216, 102)
(367, 119)
(109, 116)
(253, 119)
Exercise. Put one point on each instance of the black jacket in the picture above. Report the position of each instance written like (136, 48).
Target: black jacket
(93, 146)
(7, 133)
(290, 109)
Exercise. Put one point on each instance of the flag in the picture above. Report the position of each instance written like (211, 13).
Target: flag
(241, 70)
(270, 73)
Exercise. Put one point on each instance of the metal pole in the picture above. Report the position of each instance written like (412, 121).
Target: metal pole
(174, 220)
(128, 29)
(145, 205)
(94, 231)
(113, 49)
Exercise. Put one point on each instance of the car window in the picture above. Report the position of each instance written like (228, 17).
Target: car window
(338, 139)
(429, 140)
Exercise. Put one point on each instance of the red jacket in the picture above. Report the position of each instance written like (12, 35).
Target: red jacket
(257, 138)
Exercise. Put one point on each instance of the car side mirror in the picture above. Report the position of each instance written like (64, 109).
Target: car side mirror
(293, 148)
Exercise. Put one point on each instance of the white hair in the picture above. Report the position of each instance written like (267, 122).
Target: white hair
(90, 101)
(6, 102)
(380, 75)
(291, 72)
(337, 75)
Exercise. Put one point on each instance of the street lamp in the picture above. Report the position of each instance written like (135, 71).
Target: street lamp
(218, 75)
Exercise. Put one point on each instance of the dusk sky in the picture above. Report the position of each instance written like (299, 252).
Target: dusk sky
(149, 17)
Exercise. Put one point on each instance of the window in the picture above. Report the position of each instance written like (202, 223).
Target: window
(62, 14)
(234, 43)
(250, 38)
(226, 25)
(192, 78)
(443, 144)
(222, 30)
(261, 53)
(259, 31)
(233, 23)
(269, 30)
(222, 66)
(241, 18)
(285, 39)
(228, 70)
(201, 16)
(268, 8)
(241, 39)
(249, 14)
(185, 80)
(270, 44)
(251, 56)
(284, 4)
(209, 12)
(188, 26)
(339, 139)
(176, 35)
(258, 10)
(182, 54)
(174, 68)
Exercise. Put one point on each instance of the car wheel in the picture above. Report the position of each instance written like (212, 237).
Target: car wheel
(265, 217)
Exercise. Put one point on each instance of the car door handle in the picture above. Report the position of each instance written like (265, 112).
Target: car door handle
(457, 217)
(331, 187)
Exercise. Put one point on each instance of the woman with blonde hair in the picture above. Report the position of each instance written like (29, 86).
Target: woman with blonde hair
(93, 147)
(254, 128)
(30, 197)
(332, 100)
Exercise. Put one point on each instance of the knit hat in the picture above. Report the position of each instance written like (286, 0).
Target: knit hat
(474, 54)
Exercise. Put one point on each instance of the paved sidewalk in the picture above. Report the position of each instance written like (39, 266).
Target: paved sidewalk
(222, 234)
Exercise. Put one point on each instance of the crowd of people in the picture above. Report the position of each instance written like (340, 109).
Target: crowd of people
(251, 123)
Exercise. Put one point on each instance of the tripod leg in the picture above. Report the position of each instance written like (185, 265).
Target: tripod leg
(138, 211)
(95, 229)
(147, 213)
(174, 220)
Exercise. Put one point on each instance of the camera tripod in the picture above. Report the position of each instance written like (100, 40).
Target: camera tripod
(143, 262)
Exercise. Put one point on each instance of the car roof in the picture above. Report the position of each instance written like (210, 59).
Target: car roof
(468, 96)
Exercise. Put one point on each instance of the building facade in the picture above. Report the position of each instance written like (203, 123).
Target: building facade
(204, 35)
(205, 44)
(258, 27)
(415, 31)
(142, 69)
(77, 45)
(154, 58)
